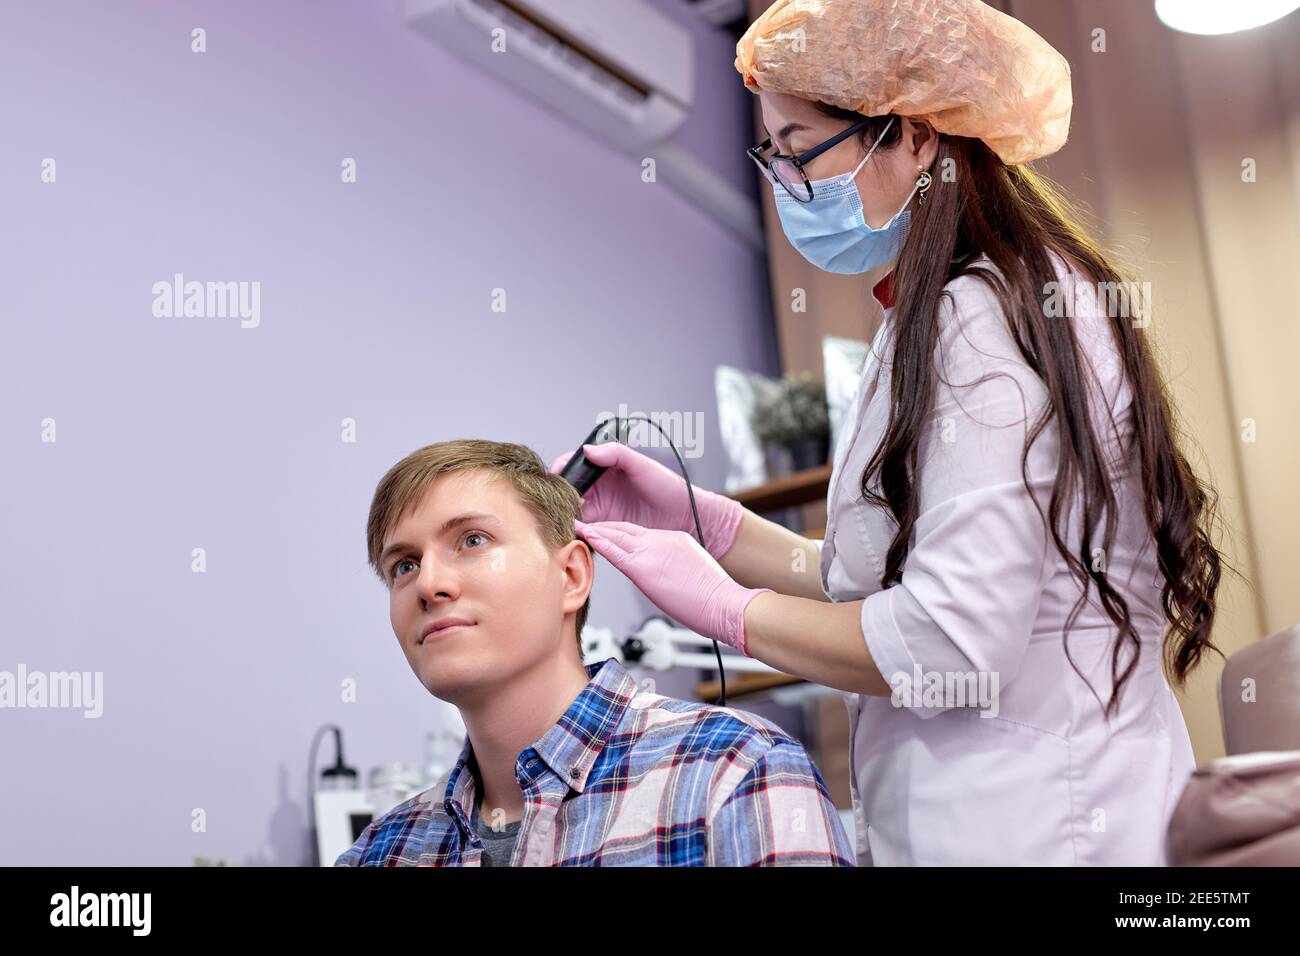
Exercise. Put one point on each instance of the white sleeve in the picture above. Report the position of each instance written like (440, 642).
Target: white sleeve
(975, 572)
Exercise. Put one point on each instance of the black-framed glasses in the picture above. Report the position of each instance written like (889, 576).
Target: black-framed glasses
(788, 171)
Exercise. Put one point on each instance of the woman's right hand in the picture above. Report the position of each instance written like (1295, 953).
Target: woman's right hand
(638, 489)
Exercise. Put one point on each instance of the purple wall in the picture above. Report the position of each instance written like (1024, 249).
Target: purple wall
(181, 433)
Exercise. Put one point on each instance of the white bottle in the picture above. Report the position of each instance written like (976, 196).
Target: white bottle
(441, 748)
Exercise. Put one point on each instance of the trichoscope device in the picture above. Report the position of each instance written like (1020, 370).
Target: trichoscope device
(582, 474)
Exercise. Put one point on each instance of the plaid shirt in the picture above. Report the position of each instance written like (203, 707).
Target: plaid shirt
(630, 778)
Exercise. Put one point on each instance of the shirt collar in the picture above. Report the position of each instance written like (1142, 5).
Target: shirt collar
(569, 747)
(884, 290)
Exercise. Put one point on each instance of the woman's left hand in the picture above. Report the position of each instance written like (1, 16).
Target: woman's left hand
(679, 576)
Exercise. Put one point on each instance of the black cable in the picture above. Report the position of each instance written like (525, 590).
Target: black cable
(699, 533)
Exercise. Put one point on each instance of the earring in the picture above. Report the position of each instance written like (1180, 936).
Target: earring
(922, 183)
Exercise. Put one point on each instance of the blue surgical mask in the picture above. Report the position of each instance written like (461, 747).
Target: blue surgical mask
(830, 230)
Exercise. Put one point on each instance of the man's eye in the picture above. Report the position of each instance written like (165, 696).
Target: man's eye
(397, 568)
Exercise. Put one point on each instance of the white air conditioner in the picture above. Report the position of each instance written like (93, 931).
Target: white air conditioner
(617, 68)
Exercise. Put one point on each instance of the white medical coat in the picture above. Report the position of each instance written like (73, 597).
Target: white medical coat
(1046, 781)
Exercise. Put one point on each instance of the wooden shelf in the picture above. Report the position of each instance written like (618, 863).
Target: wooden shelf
(801, 488)
(742, 684)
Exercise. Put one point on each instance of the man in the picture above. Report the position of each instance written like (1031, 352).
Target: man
(562, 764)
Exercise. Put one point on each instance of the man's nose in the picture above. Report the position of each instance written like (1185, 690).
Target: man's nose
(437, 580)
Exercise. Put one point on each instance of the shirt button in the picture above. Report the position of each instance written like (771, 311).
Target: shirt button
(574, 773)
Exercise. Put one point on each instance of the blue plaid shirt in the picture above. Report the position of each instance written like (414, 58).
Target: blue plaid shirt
(631, 778)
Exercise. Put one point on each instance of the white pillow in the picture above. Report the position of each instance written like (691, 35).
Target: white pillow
(738, 392)
(843, 361)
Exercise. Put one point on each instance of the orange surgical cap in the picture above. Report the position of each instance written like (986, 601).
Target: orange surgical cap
(966, 68)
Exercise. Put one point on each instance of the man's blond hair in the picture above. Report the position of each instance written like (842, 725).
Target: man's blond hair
(552, 501)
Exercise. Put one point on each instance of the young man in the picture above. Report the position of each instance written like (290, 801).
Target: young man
(563, 764)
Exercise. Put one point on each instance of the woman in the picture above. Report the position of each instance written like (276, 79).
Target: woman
(1014, 544)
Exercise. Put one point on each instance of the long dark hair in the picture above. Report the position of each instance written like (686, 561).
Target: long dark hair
(1015, 217)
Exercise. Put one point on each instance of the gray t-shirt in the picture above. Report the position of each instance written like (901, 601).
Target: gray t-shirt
(498, 845)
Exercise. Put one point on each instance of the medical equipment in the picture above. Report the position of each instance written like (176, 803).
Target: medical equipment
(582, 474)
(334, 781)
(661, 646)
(338, 808)
(340, 817)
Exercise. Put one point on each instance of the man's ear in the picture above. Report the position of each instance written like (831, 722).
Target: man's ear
(579, 573)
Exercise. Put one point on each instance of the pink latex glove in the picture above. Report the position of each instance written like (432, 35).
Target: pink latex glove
(640, 490)
(681, 578)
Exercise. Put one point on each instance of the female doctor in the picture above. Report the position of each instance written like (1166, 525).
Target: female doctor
(1016, 551)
